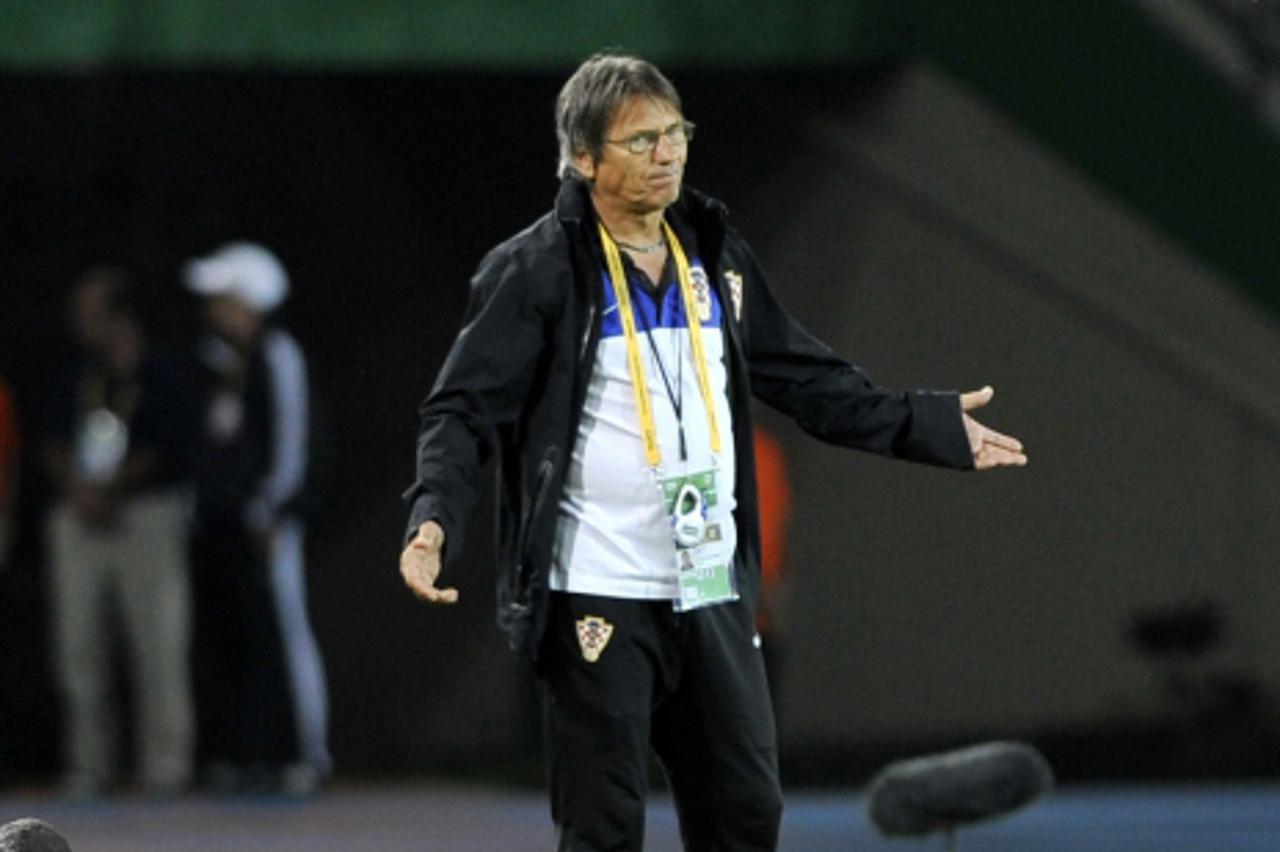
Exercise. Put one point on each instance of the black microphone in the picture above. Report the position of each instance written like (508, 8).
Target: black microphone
(942, 791)
(31, 835)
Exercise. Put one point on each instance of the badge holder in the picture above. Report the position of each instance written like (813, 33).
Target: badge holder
(704, 561)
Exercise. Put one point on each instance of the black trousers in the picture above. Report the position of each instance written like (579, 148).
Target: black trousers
(690, 685)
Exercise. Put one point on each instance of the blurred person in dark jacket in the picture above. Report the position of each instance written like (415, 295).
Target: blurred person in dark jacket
(261, 689)
(116, 445)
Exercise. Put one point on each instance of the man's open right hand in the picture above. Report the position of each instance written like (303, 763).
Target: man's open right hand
(420, 565)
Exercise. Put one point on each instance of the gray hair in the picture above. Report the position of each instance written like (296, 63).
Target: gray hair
(589, 99)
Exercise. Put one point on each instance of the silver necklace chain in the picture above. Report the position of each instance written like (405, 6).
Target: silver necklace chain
(649, 249)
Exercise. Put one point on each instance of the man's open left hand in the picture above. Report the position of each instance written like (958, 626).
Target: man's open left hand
(990, 448)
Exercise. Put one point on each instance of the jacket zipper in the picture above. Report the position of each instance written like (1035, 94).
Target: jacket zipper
(546, 468)
(586, 335)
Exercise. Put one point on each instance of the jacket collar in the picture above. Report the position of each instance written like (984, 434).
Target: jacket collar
(573, 201)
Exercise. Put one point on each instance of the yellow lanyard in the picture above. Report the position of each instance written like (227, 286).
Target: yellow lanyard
(639, 384)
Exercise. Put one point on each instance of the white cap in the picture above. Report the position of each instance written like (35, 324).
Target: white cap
(245, 271)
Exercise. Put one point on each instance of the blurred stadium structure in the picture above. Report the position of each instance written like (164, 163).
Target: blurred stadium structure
(1238, 39)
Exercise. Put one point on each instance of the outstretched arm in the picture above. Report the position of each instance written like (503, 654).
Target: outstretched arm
(482, 387)
(990, 448)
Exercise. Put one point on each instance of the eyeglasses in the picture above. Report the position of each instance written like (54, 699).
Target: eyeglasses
(643, 142)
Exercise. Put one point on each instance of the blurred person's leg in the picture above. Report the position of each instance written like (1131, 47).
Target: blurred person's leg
(264, 731)
(303, 664)
(156, 601)
(218, 582)
(80, 577)
(243, 708)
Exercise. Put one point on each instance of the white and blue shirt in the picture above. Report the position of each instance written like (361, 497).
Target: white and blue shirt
(613, 535)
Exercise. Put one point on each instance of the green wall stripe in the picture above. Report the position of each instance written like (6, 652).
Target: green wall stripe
(453, 33)
(1092, 79)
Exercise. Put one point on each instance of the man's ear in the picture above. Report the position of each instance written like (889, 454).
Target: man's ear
(585, 164)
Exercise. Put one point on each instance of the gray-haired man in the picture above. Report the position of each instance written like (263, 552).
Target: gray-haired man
(608, 357)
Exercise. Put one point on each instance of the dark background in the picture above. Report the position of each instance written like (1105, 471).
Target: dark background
(1054, 198)
(379, 192)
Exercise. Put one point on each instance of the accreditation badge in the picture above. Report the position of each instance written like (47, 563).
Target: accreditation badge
(101, 445)
(703, 559)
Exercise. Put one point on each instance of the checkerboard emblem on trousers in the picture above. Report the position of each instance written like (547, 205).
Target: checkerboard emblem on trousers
(593, 634)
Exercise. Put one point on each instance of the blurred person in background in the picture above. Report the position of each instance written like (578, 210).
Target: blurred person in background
(10, 446)
(260, 682)
(116, 446)
(607, 362)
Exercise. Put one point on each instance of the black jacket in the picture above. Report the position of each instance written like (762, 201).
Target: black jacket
(515, 380)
